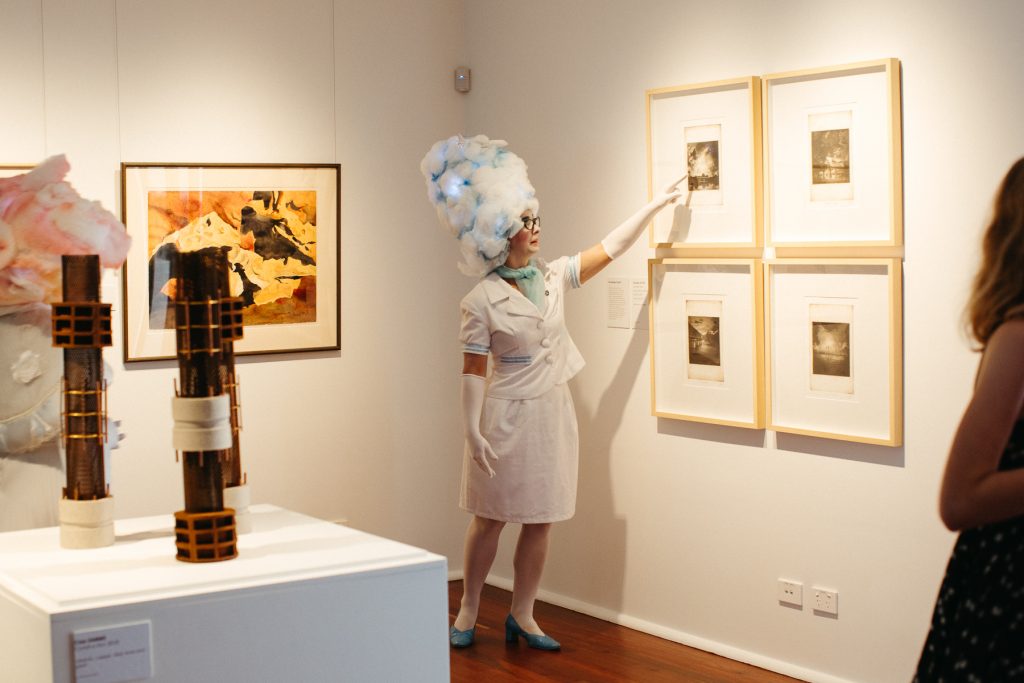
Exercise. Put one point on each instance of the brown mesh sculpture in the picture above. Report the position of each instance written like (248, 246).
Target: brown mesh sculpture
(81, 327)
(236, 488)
(205, 529)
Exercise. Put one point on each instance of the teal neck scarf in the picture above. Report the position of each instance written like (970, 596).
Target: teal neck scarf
(530, 279)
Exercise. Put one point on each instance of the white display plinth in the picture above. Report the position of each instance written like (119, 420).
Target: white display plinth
(305, 600)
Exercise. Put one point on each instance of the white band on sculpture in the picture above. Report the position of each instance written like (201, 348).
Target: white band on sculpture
(237, 498)
(201, 424)
(86, 523)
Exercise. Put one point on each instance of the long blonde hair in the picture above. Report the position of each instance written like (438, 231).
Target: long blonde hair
(998, 291)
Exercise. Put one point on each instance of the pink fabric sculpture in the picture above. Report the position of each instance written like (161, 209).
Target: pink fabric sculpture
(43, 217)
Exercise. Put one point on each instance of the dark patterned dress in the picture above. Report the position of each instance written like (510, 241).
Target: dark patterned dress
(977, 631)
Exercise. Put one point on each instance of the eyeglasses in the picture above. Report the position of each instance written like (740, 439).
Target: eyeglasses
(531, 224)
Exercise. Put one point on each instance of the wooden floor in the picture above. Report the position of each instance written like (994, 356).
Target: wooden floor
(592, 650)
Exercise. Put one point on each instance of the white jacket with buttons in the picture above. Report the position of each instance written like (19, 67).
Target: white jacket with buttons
(531, 350)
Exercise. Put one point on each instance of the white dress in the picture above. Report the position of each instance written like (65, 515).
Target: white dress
(528, 416)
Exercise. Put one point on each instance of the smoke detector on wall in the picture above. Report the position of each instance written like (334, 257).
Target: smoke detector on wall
(462, 79)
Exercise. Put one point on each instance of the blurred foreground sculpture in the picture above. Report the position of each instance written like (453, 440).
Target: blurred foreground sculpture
(81, 326)
(41, 218)
(205, 530)
(236, 486)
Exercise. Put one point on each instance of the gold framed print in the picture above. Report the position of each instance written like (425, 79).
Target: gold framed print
(833, 156)
(834, 348)
(711, 132)
(280, 225)
(706, 328)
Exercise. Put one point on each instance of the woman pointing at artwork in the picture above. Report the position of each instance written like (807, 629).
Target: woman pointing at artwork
(521, 455)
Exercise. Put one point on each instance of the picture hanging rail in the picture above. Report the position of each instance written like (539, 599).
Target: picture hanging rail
(712, 132)
(834, 348)
(833, 156)
(7, 171)
(706, 328)
(280, 225)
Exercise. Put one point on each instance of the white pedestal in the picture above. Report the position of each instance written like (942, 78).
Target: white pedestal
(306, 600)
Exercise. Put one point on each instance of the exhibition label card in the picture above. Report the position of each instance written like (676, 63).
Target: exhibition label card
(114, 655)
(638, 290)
(618, 303)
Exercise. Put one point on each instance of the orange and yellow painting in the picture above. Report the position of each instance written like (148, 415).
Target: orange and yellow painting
(270, 237)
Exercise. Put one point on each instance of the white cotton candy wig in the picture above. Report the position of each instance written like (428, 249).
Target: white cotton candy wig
(480, 190)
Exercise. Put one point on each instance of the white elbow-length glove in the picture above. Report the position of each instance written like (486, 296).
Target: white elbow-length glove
(621, 238)
(472, 408)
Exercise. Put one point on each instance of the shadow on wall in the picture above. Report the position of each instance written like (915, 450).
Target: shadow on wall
(597, 531)
(597, 534)
(682, 217)
(843, 450)
(797, 443)
(736, 436)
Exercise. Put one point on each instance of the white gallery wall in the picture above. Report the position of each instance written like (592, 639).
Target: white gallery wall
(684, 529)
(681, 529)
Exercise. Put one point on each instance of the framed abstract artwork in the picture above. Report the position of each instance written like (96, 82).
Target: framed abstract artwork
(711, 132)
(706, 331)
(833, 156)
(834, 348)
(280, 225)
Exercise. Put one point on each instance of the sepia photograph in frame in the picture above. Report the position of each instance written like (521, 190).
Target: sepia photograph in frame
(829, 163)
(833, 348)
(697, 374)
(279, 227)
(704, 340)
(833, 157)
(712, 132)
(702, 144)
(831, 352)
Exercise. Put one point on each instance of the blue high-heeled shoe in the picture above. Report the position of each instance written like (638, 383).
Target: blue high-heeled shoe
(460, 639)
(514, 630)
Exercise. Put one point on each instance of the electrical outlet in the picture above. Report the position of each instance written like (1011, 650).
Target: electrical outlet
(826, 601)
(791, 592)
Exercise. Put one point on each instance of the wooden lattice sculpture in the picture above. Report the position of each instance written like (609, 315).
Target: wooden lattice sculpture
(205, 529)
(236, 487)
(81, 327)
